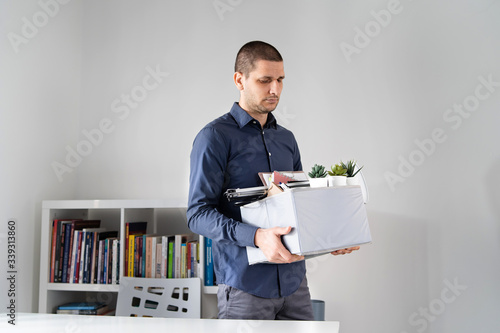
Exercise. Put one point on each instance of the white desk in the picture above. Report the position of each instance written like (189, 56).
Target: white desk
(34, 322)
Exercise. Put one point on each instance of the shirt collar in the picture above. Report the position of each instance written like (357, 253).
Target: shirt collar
(243, 118)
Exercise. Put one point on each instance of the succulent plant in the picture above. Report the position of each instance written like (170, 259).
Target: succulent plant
(338, 170)
(350, 167)
(317, 171)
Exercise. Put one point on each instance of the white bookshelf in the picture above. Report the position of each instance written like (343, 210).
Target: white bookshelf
(163, 217)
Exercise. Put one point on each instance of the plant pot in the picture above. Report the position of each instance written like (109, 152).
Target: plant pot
(352, 181)
(318, 182)
(337, 181)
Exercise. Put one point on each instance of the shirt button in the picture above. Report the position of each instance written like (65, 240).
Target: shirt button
(269, 154)
(254, 122)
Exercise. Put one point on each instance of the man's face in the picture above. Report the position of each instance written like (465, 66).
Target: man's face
(261, 90)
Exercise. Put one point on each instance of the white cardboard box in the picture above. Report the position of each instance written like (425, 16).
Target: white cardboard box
(322, 219)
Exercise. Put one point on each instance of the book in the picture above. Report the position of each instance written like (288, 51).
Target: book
(63, 248)
(281, 176)
(171, 261)
(188, 260)
(67, 231)
(83, 256)
(154, 261)
(209, 265)
(74, 251)
(53, 251)
(81, 306)
(103, 311)
(132, 228)
(194, 259)
(130, 255)
(178, 255)
(100, 263)
(77, 257)
(158, 260)
(149, 255)
(108, 260)
(99, 255)
(58, 249)
(89, 237)
(84, 308)
(115, 278)
(138, 256)
(183, 264)
(166, 256)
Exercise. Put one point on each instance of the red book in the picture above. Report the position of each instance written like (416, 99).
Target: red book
(53, 250)
(188, 260)
(281, 178)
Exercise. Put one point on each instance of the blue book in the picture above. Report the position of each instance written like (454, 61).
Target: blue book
(209, 265)
(68, 230)
(81, 306)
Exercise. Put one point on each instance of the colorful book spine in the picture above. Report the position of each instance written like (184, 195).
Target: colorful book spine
(67, 239)
(76, 273)
(116, 262)
(171, 263)
(209, 265)
(159, 260)
(131, 247)
(100, 262)
(188, 260)
(74, 253)
(183, 263)
(53, 252)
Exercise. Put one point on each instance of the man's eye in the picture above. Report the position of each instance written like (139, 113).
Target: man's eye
(265, 81)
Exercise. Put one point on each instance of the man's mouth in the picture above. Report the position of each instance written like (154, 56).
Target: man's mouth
(272, 99)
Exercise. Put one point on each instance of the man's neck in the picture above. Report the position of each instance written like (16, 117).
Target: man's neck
(260, 117)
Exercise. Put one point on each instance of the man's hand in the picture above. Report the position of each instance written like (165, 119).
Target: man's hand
(269, 241)
(345, 251)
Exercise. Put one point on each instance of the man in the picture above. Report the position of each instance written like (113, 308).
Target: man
(228, 153)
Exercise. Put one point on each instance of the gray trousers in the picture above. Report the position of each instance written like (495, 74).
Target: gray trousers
(236, 304)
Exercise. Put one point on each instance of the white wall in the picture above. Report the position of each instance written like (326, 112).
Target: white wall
(434, 223)
(40, 84)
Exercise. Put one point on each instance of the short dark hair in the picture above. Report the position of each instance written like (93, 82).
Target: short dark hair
(251, 52)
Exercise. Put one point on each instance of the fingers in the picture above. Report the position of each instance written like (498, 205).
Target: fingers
(283, 230)
(269, 241)
(345, 251)
(278, 253)
(285, 257)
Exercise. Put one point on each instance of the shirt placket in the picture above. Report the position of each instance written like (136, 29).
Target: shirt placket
(266, 147)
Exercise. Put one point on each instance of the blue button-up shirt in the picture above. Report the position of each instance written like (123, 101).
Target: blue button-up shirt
(227, 153)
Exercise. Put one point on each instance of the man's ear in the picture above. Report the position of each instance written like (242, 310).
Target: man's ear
(239, 80)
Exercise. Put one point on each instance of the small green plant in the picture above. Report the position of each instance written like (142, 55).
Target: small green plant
(350, 167)
(317, 171)
(338, 170)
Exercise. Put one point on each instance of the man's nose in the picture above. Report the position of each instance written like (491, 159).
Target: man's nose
(275, 88)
